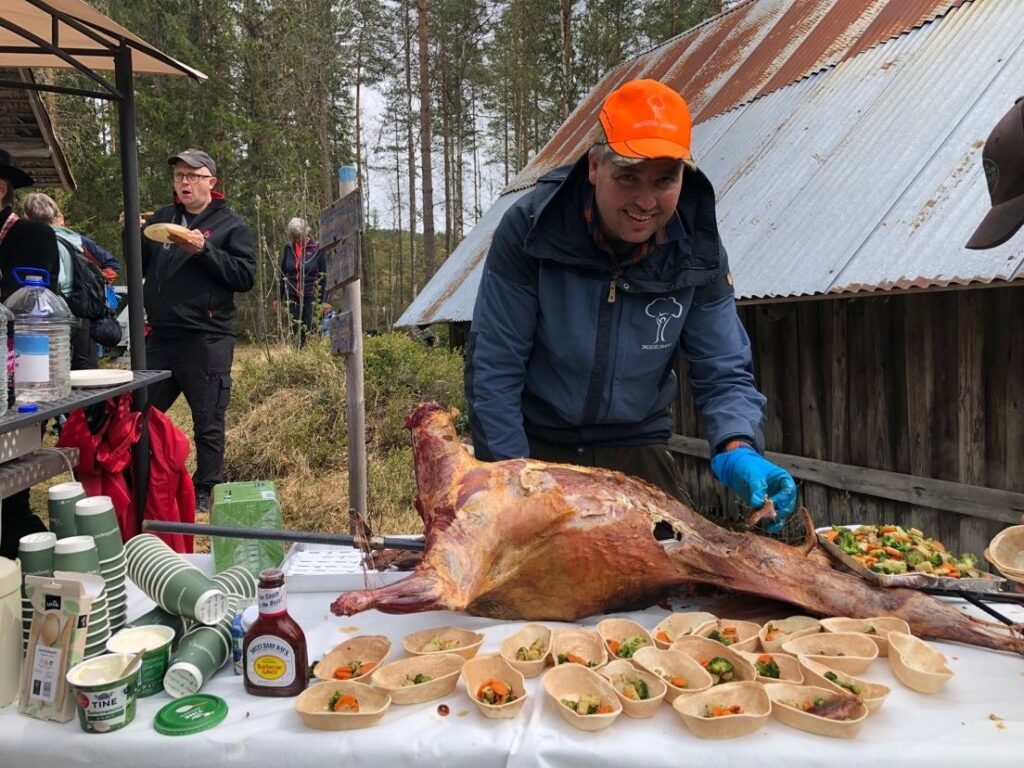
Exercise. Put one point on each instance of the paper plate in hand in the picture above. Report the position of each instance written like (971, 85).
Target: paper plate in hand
(100, 377)
(161, 233)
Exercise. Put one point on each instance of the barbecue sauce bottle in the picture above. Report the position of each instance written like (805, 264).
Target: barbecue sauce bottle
(274, 650)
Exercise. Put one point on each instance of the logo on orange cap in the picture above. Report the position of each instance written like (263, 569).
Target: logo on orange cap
(647, 119)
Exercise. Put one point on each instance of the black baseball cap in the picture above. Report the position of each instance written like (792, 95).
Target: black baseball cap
(1003, 162)
(195, 158)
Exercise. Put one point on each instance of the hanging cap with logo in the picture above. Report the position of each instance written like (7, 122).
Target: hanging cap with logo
(645, 119)
(1003, 161)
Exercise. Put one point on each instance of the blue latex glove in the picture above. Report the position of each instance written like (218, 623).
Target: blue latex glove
(752, 477)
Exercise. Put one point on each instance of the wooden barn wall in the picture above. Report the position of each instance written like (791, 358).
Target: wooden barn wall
(929, 385)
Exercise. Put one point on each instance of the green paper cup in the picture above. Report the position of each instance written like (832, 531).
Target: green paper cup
(105, 694)
(95, 516)
(191, 594)
(156, 641)
(76, 553)
(237, 580)
(199, 655)
(60, 506)
(36, 554)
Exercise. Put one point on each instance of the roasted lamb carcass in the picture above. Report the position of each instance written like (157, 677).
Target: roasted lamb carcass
(525, 539)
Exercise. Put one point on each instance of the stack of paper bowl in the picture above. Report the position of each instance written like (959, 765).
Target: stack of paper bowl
(1006, 553)
(95, 516)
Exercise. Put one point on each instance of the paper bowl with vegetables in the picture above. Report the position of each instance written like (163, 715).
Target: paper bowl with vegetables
(680, 673)
(705, 652)
(774, 633)
(578, 646)
(872, 694)
(725, 711)
(916, 664)
(443, 640)
(734, 634)
(585, 699)
(774, 667)
(419, 678)
(848, 651)
(877, 628)
(640, 692)
(353, 659)
(528, 650)
(822, 711)
(677, 625)
(623, 637)
(341, 705)
(497, 689)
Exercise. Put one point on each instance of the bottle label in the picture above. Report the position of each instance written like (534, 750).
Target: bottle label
(270, 662)
(272, 599)
(31, 358)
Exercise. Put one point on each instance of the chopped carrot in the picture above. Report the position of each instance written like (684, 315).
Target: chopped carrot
(831, 535)
(894, 553)
(662, 636)
(764, 658)
(605, 709)
(679, 682)
(575, 659)
(720, 711)
(343, 673)
(887, 528)
(613, 646)
(730, 632)
(496, 685)
(769, 636)
(367, 667)
(346, 703)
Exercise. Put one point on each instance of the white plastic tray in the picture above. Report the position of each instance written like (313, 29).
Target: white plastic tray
(328, 568)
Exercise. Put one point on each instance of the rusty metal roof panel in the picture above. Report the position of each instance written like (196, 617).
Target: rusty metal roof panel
(450, 294)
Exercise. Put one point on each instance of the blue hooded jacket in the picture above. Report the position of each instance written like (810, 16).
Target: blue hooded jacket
(556, 355)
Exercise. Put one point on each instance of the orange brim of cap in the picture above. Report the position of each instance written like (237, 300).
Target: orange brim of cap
(650, 149)
(999, 225)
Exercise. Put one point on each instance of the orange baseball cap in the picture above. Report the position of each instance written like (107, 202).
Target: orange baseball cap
(647, 119)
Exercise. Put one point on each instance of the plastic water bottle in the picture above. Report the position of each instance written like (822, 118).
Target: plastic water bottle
(7, 345)
(42, 339)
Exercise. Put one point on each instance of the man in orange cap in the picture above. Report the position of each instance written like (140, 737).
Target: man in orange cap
(596, 280)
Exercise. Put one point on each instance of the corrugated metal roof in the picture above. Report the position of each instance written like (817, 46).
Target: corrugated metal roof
(863, 176)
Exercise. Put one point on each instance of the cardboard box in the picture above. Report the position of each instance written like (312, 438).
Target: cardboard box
(246, 505)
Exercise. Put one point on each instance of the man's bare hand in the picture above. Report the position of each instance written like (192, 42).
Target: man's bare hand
(120, 220)
(193, 243)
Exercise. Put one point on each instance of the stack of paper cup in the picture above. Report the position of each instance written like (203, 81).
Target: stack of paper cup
(172, 582)
(238, 581)
(95, 516)
(78, 554)
(60, 506)
(36, 554)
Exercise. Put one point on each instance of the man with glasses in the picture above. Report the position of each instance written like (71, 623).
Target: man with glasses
(190, 306)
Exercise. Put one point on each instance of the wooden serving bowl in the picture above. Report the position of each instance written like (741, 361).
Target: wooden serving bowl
(751, 697)
(584, 643)
(311, 705)
(916, 664)
(789, 668)
(616, 630)
(671, 664)
(848, 651)
(619, 672)
(366, 648)
(746, 632)
(476, 671)
(524, 638)
(784, 697)
(702, 650)
(443, 668)
(464, 642)
(872, 694)
(571, 681)
(782, 630)
(677, 625)
(877, 628)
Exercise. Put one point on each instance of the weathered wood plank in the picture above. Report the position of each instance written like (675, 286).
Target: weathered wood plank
(839, 410)
(768, 381)
(811, 398)
(1014, 415)
(919, 364)
(971, 408)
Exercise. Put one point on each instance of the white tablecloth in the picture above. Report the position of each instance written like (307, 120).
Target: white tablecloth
(956, 727)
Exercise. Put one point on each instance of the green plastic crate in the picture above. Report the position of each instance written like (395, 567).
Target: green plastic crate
(246, 505)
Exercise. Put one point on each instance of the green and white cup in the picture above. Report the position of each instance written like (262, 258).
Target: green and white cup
(237, 580)
(199, 655)
(60, 504)
(189, 593)
(76, 553)
(104, 692)
(95, 516)
(36, 553)
(156, 641)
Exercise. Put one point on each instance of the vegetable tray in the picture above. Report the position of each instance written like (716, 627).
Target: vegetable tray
(909, 580)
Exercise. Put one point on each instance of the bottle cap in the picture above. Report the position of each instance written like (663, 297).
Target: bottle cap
(190, 714)
(28, 408)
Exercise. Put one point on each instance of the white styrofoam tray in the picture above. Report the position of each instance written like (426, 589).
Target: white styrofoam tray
(329, 568)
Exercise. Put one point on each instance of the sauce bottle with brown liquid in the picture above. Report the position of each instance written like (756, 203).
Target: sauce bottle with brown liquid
(274, 650)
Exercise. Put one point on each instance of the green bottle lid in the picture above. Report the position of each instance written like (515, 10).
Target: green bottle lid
(190, 714)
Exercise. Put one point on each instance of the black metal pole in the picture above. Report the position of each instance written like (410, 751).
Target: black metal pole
(128, 139)
(276, 534)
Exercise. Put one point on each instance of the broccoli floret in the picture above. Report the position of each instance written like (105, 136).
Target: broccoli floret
(936, 559)
(914, 556)
(967, 560)
(846, 541)
(851, 687)
(718, 636)
(768, 669)
(889, 567)
(891, 541)
(721, 667)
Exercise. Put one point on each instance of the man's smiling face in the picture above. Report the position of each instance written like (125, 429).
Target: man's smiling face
(636, 201)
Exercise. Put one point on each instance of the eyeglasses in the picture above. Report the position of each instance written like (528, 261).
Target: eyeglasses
(192, 178)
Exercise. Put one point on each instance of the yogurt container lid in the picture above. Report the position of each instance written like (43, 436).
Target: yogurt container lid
(190, 714)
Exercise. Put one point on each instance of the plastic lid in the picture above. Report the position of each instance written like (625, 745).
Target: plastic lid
(249, 616)
(28, 408)
(183, 679)
(190, 714)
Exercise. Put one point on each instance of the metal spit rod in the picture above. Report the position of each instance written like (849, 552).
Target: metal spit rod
(272, 534)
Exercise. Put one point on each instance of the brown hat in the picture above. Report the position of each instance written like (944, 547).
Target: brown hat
(8, 171)
(1003, 161)
(195, 158)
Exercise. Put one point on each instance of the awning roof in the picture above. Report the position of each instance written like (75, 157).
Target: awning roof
(26, 131)
(33, 31)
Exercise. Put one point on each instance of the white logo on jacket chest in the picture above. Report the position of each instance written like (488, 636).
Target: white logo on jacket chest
(664, 311)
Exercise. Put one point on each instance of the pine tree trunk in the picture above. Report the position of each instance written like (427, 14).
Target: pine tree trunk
(410, 141)
(565, 22)
(425, 140)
